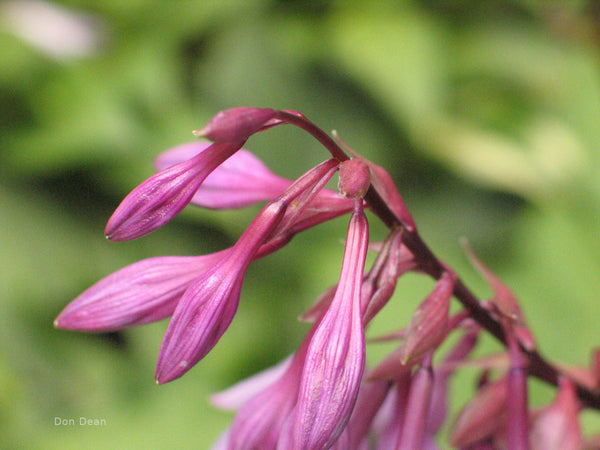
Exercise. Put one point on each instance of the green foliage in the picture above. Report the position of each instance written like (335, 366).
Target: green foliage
(485, 112)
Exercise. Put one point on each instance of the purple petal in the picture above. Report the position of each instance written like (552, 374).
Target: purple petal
(417, 407)
(235, 396)
(336, 355)
(200, 319)
(237, 124)
(207, 307)
(261, 420)
(162, 196)
(141, 293)
(240, 181)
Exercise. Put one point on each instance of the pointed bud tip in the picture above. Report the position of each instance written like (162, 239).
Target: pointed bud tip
(237, 124)
(114, 237)
(200, 133)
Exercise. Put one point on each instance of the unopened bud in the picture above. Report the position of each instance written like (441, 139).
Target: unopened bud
(355, 179)
(429, 324)
(236, 124)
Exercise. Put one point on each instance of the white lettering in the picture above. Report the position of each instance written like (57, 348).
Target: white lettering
(83, 421)
(59, 421)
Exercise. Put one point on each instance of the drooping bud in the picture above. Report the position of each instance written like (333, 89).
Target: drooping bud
(355, 178)
(240, 181)
(417, 406)
(236, 124)
(140, 293)
(336, 356)
(207, 307)
(162, 196)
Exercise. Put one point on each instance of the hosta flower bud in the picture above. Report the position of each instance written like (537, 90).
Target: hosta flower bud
(355, 178)
(483, 415)
(429, 324)
(236, 124)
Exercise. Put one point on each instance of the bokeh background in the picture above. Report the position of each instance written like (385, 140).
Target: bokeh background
(487, 114)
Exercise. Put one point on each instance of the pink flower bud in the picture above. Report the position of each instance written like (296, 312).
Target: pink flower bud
(355, 178)
(417, 407)
(483, 416)
(236, 124)
(207, 307)
(336, 356)
(242, 180)
(429, 324)
(162, 196)
(141, 293)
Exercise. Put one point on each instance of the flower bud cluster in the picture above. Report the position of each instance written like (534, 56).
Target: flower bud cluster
(325, 395)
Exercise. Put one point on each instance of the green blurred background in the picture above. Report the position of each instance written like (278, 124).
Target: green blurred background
(486, 113)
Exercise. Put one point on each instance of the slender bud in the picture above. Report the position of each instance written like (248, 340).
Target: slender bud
(417, 408)
(483, 416)
(240, 181)
(429, 324)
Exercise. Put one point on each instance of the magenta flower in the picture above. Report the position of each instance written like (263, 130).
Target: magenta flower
(162, 196)
(240, 181)
(140, 293)
(306, 387)
(259, 422)
(336, 356)
(207, 307)
(238, 124)
(321, 397)
(209, 304)
(417, 406)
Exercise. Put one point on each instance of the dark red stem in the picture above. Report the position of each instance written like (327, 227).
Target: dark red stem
(430, 264)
